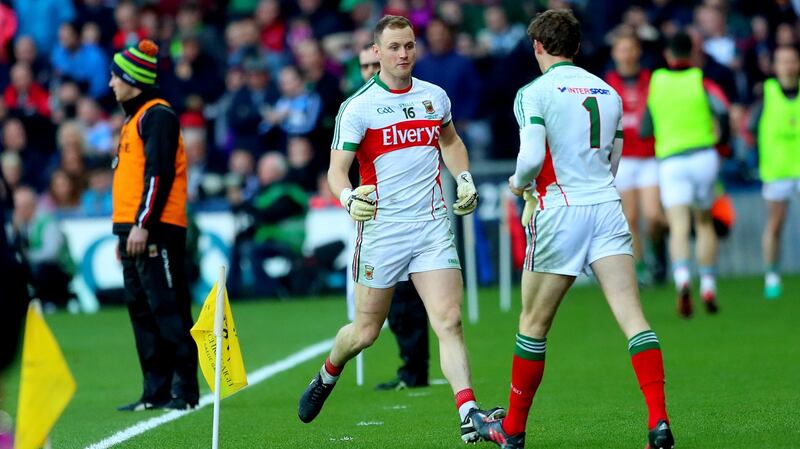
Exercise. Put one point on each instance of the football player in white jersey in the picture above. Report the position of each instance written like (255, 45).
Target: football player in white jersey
(407, 317)
(570, 145)
(397, 126)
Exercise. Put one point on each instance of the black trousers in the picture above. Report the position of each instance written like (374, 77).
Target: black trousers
(51, 283)
(409, 322)
(13, 304)
(159, 304)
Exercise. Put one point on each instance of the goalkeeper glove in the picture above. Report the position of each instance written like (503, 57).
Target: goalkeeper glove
(467, 194)
(358, 203)
(530, 207)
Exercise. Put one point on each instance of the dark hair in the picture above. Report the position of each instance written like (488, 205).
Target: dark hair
(448, 27)
(75, 26)
(680, 45)
(559, 32)
(390, 21)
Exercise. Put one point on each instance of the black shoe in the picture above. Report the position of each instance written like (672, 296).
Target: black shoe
(492, 430)
(469, 434)
(140, 406)
(710, 301)
(394, 384)
(660, 437)
(312, 399)
(179, 404)
(685, 303)
(398, 384)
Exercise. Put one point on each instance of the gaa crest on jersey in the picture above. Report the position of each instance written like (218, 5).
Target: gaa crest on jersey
(428, 107)
(368, 271)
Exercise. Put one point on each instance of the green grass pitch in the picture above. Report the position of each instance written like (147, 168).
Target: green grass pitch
(732, 379)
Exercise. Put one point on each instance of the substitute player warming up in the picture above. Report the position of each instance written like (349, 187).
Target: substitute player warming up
(397, 126)
(776, 122)
(570, 145)
(688, 115)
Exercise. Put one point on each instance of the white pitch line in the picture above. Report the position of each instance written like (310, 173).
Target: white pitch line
(253, 378)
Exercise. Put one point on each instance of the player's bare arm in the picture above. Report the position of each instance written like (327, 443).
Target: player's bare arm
(357, 201)
(616, 150)
(454, 153)
(338, 170)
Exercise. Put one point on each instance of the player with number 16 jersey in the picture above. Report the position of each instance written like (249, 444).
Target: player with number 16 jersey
(395, 135)
(398, 127)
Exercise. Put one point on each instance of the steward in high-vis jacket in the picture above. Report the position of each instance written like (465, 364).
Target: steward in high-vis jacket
(149, 198)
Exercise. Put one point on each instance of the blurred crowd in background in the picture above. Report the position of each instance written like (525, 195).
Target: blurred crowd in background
(258, 83)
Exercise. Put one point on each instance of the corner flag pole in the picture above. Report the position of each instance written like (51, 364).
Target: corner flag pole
(218, 317)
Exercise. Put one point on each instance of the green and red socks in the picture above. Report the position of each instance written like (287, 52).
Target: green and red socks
(649, 368)
(526, 375)
(330, 372)
(528, 368)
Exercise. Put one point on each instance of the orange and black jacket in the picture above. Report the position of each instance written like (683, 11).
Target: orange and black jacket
(150, 173)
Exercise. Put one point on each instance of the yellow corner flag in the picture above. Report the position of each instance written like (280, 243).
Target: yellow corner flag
(234, 377)
(46, 384)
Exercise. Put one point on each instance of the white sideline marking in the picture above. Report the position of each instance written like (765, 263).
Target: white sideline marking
(369, 423)
(253, 378)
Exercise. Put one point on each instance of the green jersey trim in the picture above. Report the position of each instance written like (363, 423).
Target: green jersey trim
(349, 146)
(559, 64)
(537, 120)
(518, 112)
(380, 83)
(385, 87)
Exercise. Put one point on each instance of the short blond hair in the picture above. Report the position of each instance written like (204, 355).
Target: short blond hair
(389, 21)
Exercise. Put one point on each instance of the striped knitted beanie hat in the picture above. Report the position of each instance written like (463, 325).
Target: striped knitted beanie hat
(137, 65)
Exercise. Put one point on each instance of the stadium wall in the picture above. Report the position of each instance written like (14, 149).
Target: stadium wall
(93, 246)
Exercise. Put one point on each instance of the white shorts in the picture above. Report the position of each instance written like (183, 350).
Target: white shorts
(780, 190)
(567, 240)
(387, 252)
(636, 173)
(688, 180)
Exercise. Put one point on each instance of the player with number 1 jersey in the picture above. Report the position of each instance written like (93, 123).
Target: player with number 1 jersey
(570, 145)
(582, 115)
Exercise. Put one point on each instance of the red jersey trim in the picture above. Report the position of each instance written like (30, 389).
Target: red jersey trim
(547, 177)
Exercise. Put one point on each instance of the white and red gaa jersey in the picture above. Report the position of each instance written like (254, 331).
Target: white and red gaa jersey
(581, 115)
(634, 103)
(395, 134)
